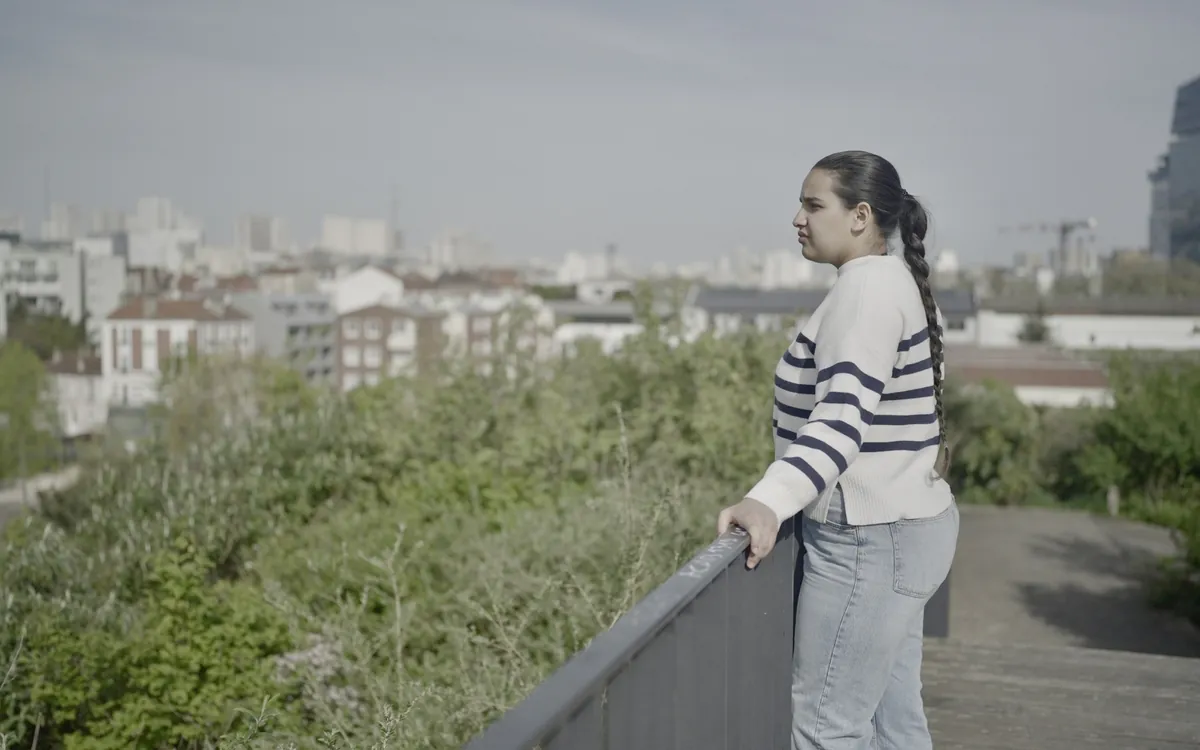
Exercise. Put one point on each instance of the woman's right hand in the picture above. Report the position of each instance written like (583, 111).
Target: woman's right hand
(760, 523)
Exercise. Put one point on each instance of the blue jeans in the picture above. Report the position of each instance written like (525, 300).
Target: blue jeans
(856, 674)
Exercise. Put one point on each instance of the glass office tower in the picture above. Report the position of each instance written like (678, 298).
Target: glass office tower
(1175, 183)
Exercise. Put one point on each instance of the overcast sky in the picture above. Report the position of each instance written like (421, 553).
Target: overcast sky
(678, 129)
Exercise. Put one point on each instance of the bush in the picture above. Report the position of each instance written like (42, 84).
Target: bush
(399, 564)
(395, 567)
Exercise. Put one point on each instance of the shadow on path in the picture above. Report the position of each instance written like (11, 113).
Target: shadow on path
(1045, 577)
(1109, 606)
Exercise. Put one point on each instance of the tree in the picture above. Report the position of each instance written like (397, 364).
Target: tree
(1035, 330)
(44, 334)
(995, 441)
(28, 413)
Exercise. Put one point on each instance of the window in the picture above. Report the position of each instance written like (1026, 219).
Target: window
(350, 381)
(350, 329)
(351, 356)
(372, 356)
(372, 329)
(371, 378)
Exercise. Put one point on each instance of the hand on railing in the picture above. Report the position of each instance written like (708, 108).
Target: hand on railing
(759, 522)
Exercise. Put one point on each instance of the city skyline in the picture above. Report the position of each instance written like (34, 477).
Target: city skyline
(678, 132)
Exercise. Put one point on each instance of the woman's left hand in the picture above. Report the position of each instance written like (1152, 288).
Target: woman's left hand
(760, 523)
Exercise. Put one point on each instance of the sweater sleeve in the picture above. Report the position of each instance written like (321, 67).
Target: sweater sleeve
(856, 348)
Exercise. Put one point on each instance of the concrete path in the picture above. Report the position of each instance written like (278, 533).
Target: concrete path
(12, 499)
(1044, 577)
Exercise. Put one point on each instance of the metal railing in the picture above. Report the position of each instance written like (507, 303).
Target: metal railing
(704, 661)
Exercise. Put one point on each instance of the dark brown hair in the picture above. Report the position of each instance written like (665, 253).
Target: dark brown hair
(863, 177)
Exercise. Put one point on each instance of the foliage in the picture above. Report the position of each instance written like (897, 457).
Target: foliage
(435, 547)
(28, 414)
(1154, 277)
(167, 674)
(995, 444)
(45, 334)
(392, 568)
(1035, 330)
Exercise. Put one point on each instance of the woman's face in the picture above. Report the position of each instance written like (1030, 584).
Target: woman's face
(828, 231)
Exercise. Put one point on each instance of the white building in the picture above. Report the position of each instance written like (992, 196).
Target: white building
(65, 222)
(788, 269)
(155, 214)
(456, 250)
(45, 280)
(215, 260)
(170, 249)
(1095, 323)
(1038, 375)
(347, 235)
(363, 288)
(77, 381)
(104, 278)
(143, 335)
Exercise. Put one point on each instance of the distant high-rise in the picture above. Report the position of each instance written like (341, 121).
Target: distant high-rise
(1175, 221)
(347, 235)
(1160, 209)
(260, 234)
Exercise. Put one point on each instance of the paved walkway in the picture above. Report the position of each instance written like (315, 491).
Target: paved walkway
(12, 499)
(1044, 577)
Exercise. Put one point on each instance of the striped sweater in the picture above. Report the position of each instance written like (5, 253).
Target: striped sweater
(854, 404)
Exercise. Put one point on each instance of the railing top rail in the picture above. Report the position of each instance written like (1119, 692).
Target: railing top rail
(553, 701)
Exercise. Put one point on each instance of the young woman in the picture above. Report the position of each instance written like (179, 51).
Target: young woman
(860, 447)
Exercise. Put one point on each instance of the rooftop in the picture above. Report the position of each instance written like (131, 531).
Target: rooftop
(155, 308)
(1132, 306)
(73, 363)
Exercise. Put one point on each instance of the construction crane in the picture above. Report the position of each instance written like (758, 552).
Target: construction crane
(1064, 229)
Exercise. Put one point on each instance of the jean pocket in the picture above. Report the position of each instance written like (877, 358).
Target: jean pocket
(922, 552)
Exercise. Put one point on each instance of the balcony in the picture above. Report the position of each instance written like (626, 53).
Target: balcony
(703, 662)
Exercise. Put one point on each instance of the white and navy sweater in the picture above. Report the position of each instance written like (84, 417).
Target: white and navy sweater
(854, 404)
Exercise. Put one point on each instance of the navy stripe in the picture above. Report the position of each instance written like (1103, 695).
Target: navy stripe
(910, 343)
(900, 445)
(905, 419)
(809, 471)
(849, 368)
(802, 339)
(808, 441)
(909, 369)
(792, 411)
(906, 395)
(794, 387)
(843, 428)
(838, 397)
(794, 361)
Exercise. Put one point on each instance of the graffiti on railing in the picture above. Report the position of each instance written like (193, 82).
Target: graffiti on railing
(717, 555)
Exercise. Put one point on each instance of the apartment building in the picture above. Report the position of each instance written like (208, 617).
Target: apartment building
(77, 381)
(46, 279)
(382, 341)
(297, 329)
(142, 336)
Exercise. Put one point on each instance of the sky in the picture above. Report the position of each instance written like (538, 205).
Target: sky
(677, 129)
